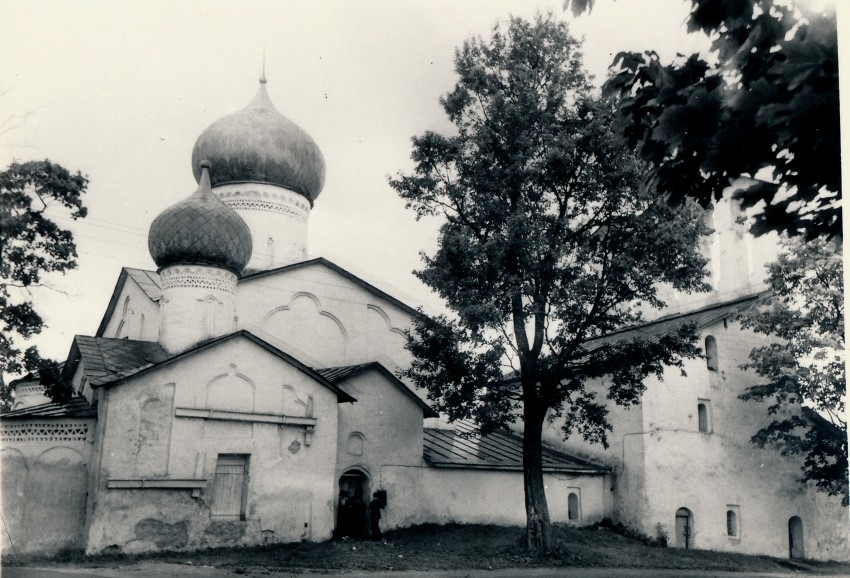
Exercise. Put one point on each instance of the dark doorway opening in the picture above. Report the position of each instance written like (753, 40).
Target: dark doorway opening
(795, 538)
(352, 514)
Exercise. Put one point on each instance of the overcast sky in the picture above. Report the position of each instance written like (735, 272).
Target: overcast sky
(120, 91)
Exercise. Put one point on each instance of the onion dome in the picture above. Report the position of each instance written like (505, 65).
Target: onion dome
(258, 144)
(200, 230)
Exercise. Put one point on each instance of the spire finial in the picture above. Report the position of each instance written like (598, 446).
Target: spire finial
(204, 185)
(263, 77)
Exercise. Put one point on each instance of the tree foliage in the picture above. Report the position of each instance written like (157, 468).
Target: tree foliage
(805, 309)
(32, 245)
(766, 110)
(548, 241)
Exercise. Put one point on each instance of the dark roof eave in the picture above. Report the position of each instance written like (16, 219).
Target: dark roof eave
(113, 301)
(341, 395)
(684, 314)
(427, 410)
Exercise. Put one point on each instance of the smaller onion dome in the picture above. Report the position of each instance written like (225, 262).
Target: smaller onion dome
(260, 145)
(200, 230)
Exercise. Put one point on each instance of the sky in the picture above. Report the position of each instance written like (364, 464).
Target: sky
(121, 90)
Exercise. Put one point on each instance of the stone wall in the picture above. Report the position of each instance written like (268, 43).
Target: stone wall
(44, 465)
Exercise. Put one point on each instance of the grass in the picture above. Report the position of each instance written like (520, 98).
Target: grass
(455, 547)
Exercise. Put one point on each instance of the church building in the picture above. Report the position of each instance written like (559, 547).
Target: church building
(241, 392)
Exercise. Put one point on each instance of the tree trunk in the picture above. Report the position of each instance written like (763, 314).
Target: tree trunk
(538, 534)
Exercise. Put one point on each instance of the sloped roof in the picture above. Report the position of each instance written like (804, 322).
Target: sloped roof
(339, 374)
(109, 360)
(77, 407)
(464, 448)
(337, 269)
(148, 282)
(655, 329)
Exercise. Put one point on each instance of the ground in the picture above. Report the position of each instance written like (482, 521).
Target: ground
(454, 551)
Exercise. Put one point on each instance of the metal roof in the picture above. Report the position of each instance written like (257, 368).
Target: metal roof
(463, 447)
(655, 329)
(338, 374)
(148, 281)
(77, 407)
(108, 359)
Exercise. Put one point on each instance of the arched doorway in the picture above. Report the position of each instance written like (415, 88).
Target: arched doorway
(684, 528)
(352, 506)
(795, 538)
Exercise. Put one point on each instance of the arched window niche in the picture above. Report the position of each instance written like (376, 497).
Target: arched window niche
(573, 506)
(733, 522)
(711, 359)
(704, 416)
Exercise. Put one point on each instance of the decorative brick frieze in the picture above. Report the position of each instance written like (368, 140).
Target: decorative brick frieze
(180, 276)
(281, 203)
(43, 432)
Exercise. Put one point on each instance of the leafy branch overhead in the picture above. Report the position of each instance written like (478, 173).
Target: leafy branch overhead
(764, 116)
(32, 245)
(805, 309)
(549, 240)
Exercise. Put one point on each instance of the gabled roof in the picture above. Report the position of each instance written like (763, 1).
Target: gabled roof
(339, 374)
(77, 407)
(148, 282)
(109, 360)
(655, 329)
(463, 448)
(337, 269)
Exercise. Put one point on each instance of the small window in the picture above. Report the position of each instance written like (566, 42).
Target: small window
(711, 359)
(573, 506)
(704, 417)
(229, 487)
(732, 522)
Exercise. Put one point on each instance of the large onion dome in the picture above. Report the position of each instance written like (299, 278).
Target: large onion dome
(258, 144)
(200, 230)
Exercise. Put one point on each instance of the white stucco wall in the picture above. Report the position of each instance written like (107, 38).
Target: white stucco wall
(388, 421)
(443, 495)
(290, 489)
(711, 472)
(320, 312)
(135, 315)
(277, 218)
(387, 427)
(44, 464)
(662, 462)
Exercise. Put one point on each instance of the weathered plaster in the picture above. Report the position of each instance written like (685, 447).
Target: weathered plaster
(289, 493)
(44, 472)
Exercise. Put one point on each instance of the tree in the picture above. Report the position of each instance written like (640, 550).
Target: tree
(805, 309)
(766, 110)
(548, 241)
(32, 245)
